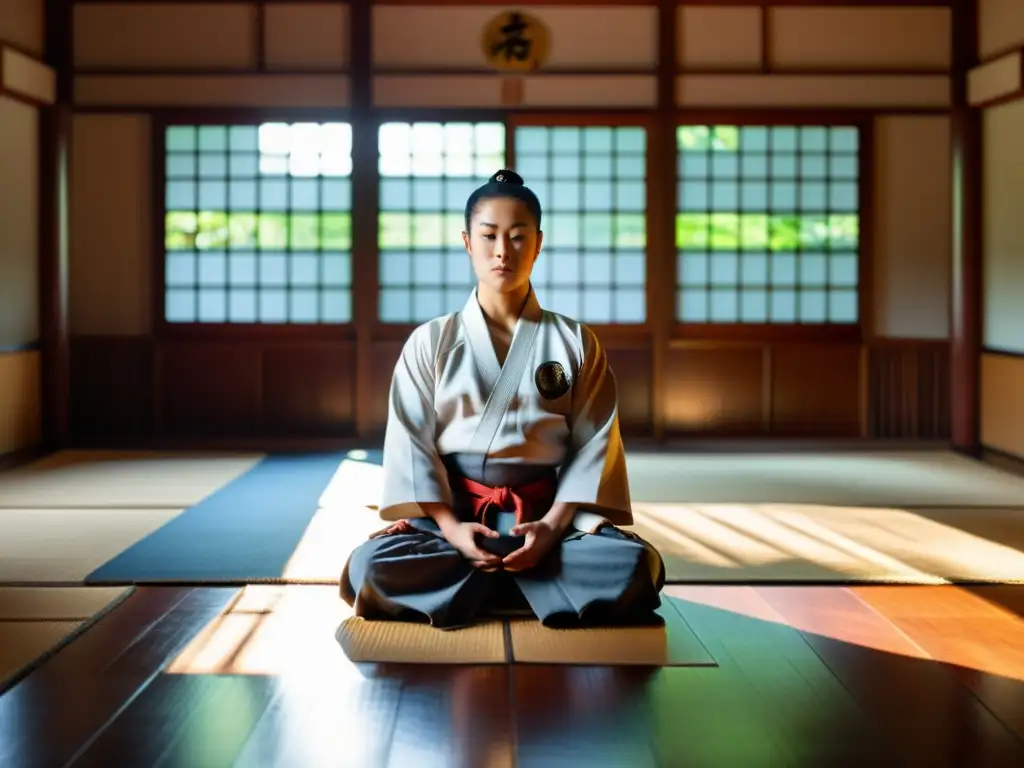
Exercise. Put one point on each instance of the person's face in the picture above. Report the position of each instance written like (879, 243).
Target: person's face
(503, 244)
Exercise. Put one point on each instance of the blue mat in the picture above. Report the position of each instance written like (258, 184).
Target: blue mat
(243, 533)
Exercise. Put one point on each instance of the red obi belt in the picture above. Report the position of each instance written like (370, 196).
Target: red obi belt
(530, 502)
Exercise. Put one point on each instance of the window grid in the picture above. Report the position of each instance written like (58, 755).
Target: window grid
(591, 183)
(427, 172)
(257, 223)
(767, 224)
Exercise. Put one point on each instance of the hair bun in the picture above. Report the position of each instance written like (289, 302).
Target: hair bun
(505, 176)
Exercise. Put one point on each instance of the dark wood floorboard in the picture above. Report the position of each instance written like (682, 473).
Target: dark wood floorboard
(348, 720)
(979, 639)
(928, 715)
(1010, 597)
(455, 716)
(773, 701)
(183, 720)
(54, 712)
(807, 676)
(592, 716)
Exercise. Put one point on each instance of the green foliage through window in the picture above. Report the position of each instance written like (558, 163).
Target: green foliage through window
(427, 172)
(257, 225)
(768, 225)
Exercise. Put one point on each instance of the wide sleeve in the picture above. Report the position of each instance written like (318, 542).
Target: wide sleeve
(413, 471)
(594, 476)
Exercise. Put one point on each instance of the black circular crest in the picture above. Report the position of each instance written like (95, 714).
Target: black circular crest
(552, 381)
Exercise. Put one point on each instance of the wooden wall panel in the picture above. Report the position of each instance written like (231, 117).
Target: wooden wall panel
(860, 38)
(309, 389)
(1002, 235)
(996, 80)
(815, 390)
(260, 91)
(209, 389)
(112, 389)
(908, 390)
(720, 38)
(19, 223)
(306, 36)
(715, 389)
(911, 252)
(20, 400)
(632, 368)
(594, 91)
(782, 91)
(437, 91)
(132, 390)
(1000, 26)
(448, 37)
(135, 390)
(541, 91)
(26, 78)
(385, 356)
(21, 24)
(182, 36)
(1002, 403)
(110, 264)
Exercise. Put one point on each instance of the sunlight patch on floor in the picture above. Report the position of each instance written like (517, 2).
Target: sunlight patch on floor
(893, 628)
(271, 630)
(780, 542)
(737, 542)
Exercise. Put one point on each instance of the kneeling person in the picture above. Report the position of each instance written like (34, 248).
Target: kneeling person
(504, 470)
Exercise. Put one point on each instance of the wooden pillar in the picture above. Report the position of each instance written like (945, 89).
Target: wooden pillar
(364, 210)
(54, 228)
(965, 286)
(661, 210)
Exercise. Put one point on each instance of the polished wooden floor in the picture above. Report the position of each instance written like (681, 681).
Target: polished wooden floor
(806, 676)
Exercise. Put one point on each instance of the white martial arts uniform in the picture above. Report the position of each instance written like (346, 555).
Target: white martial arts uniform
(450, 396)
(550, 409)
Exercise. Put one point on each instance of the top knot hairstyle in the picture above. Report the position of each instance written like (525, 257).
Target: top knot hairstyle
(504, 184)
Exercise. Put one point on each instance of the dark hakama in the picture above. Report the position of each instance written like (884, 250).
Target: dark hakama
(412, 573)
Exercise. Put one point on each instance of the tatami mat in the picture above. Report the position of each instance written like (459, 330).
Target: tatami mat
(65, 545)
(23, 643)
(246, 532)
(813, 543)
(766, 543)
(396, 642)
(674, 645)
(56, 603)
(854, 479)
(834, 517)
(327, 542)
(121, 479)
(926, 478)
(37, 622)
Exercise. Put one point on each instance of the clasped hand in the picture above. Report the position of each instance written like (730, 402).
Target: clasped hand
(539, 537)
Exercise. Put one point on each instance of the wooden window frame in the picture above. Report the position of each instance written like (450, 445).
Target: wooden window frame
(660, 250)
(514, 119)
(645, 120)
(856, 332)
(161, 120)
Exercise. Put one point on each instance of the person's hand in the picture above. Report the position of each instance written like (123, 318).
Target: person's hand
(540, 536)
(463, 537)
